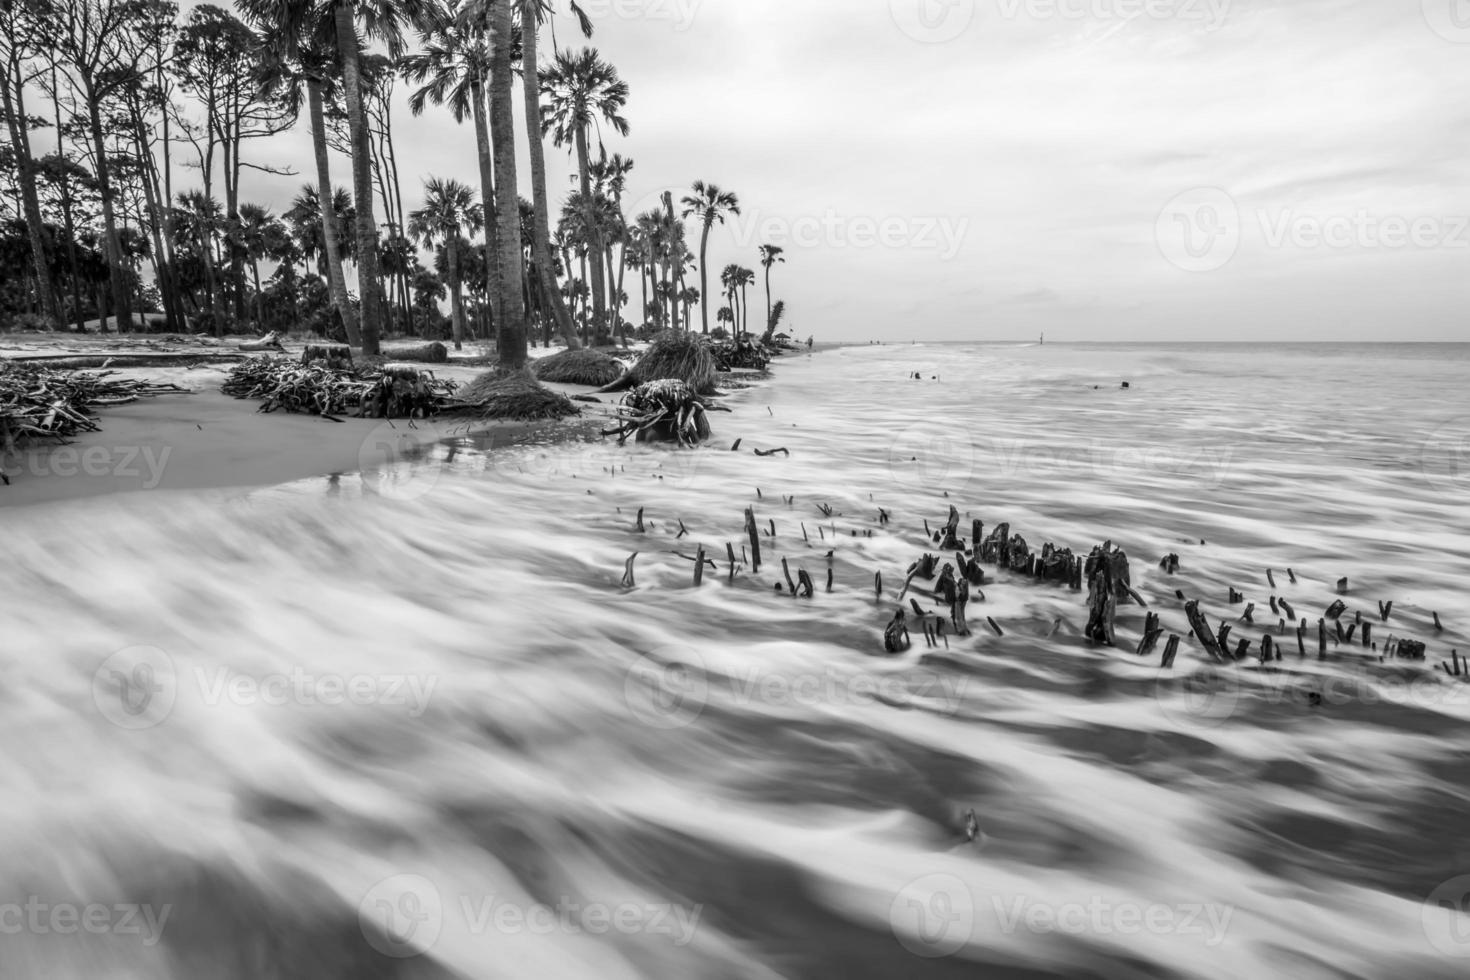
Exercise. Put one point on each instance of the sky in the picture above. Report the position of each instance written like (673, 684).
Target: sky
(1097, 170)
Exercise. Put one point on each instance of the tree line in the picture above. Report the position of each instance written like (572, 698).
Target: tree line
(99, 223)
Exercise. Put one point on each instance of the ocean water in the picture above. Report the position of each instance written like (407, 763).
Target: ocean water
(410, 723)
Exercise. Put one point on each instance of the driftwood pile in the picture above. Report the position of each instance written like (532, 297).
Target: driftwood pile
(325, 383)
(42, 403)
(663, 411)
(740, 354)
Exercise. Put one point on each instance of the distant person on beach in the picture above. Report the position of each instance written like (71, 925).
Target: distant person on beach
(809, 343)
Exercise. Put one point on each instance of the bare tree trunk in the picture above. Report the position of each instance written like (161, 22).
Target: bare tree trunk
(121, 301)
(336, 278)
(510, 319)
(14, 109)
(369, 283)
(541, 229)
(487, 192)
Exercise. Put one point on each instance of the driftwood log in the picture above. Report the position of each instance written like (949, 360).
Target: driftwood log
(271, 341)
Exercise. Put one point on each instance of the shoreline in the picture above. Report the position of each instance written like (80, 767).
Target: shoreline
(204, 439)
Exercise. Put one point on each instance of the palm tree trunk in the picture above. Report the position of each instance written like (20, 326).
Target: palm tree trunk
(510, 322)
(541, 229)
(369, 284)
(768, 298)
(704, 274)
(336, 278)
(594, 235)
(487, 190)
(456, 298)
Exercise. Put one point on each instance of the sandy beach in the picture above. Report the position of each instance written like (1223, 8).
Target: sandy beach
(205, 439)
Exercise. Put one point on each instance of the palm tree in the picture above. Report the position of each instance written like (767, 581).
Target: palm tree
(449, 216)
(252, 231)
(294, 25)
(300, 65)
(744, 277)
(583, 89)
(770, 255)
(199, 218)
(454, 68)
(709, 204)
(726, 315)
(729, 278)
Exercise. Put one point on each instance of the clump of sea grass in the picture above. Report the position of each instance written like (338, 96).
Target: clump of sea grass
(514, 396)
(673, 355)
(579, 367)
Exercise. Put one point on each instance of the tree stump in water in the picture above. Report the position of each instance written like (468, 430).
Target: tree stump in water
(1108, 581)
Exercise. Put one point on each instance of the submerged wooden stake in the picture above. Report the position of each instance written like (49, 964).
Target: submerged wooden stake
(755, 539)
(699, 567)
(628, 582)
(1171, 650)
